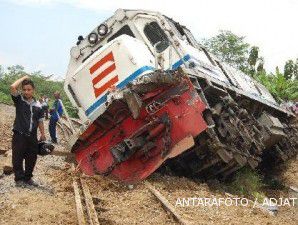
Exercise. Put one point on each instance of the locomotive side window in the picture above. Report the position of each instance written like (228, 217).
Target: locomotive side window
(124, 30)
(156, 36)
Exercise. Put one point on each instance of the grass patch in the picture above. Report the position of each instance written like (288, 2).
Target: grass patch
(247, 182)
(4, 98)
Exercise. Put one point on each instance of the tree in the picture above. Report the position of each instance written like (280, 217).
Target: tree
(256, 63)
(296, 70)
(16, 70)
(260, 67)
(277, 70)
(291, 69)
(1, 71)
(253, 56)
(230, 48)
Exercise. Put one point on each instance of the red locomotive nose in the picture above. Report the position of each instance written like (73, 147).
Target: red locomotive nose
(130, 149)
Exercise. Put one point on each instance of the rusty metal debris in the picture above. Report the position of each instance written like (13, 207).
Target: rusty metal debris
(237, 136)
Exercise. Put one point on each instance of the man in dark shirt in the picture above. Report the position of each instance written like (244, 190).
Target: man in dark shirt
(29, 117)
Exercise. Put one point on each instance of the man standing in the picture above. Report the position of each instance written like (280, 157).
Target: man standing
(29, 117)
(45, 106)
(56, 112)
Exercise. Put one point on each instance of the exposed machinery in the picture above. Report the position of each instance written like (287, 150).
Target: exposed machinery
(149, 94)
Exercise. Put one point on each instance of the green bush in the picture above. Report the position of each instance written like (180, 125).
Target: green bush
(247, 182)
(4, 98)
(281, 88)
(44, 86)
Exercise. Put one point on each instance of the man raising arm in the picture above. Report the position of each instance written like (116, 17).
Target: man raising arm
(16, 84)
(29, 117)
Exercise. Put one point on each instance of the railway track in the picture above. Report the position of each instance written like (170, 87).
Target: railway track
(86, 212)
(103, 201)
(91, 209)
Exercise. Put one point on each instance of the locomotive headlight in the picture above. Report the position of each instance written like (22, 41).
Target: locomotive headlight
(102, 29)
(92, 38)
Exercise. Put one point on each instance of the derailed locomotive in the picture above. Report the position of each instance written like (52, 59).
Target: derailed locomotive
(149, 94)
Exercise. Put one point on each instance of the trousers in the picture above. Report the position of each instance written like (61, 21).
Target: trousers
(52, 129)
(24, 149)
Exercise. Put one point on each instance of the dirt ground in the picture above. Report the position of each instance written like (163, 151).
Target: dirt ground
(53, 202)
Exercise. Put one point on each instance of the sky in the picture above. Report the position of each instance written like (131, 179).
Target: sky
(38, 34)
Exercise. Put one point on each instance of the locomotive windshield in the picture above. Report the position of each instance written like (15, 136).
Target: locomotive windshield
(156, 36)
(124, 30)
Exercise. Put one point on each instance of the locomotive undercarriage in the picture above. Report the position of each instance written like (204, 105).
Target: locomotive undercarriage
(241, 132)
